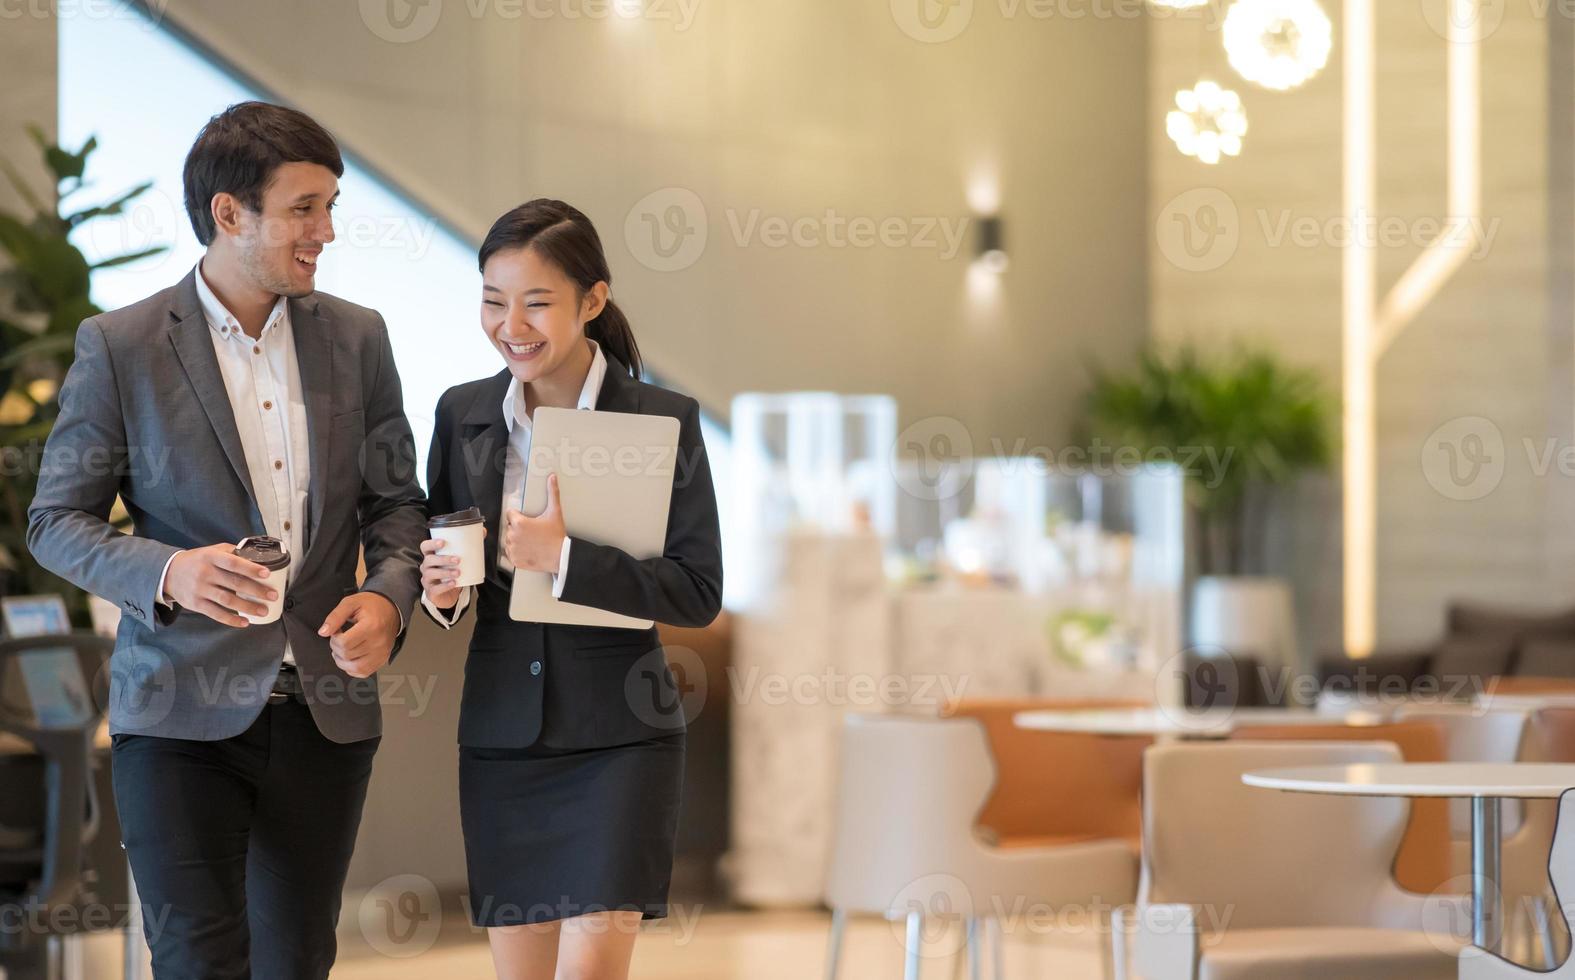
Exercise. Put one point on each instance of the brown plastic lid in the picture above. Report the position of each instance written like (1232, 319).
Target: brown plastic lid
(265, 551)
(460, 518)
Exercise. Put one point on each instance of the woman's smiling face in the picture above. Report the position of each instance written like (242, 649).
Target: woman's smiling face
(533, 313)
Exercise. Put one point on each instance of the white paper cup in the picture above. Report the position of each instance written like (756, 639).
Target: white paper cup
(462, 534)
(271, 554)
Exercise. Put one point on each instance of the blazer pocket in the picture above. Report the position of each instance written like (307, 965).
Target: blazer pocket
(614, 646)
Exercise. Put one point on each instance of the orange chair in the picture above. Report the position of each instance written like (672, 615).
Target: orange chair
(1423, 863)
(1057, 788)
(1531, 685)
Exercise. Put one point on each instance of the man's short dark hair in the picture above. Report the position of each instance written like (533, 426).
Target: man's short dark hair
(238, 151)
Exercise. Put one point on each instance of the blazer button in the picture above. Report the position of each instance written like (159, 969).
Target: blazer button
(289, 602)
(535, 667)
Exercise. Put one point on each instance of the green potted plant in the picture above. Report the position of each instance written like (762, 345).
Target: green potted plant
(44, 295)
(1241, 424)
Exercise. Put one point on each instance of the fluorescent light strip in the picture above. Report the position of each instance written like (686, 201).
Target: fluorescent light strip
(1369, 333)
(1360, 268)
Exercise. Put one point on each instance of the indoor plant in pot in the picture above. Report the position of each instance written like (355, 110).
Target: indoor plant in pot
(1242, 424)
(44, 296)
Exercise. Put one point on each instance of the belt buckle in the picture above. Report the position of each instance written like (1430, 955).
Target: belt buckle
(277, 696)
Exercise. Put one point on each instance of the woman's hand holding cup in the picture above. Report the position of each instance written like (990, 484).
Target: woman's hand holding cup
(440, 573)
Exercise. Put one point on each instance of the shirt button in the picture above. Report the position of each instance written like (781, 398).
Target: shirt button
(287, 525)
(267, 405)
(278, 464)
(535, 667)
(256, 349)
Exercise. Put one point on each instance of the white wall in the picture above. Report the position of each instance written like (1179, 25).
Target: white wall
(1481, 348)
(27, 50)
(781, 110)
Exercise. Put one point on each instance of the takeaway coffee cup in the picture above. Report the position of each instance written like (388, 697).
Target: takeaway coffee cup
(462, 533)
(270, 553)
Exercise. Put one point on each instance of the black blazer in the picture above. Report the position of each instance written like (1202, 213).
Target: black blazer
(577, 686)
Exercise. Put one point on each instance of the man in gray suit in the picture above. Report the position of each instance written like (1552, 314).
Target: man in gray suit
(240, 402)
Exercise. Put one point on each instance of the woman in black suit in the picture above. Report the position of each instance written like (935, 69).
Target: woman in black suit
(571, 737)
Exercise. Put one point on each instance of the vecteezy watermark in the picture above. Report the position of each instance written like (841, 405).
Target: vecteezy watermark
(39, 921)
(408, 236)
(1472, 21)
(1198, 230)
(680, 921)
(932, 459)
(401, 916)
(149, 12)
(404, 21)
(935, 21)
(833, 686)
(667, 230)
(1466, 458)
(138, 466)
(666, 686)
(1201, 229)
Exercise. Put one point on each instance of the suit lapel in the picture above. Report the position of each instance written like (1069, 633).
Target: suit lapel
(193, 343)
(314, 358)
(483, 439)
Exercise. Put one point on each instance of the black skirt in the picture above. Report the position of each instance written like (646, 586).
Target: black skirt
(555, 833)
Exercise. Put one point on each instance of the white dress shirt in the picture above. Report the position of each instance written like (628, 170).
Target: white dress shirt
(517, 419)
(264, 384)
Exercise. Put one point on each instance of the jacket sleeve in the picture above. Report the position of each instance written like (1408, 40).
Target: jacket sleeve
(68, 529)
(440, 500)
(683, 585)
(391, 506)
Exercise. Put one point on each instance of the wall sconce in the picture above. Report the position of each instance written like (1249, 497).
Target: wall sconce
(989, 244)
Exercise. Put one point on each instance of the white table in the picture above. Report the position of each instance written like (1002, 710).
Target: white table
(1486, 784)
(1180, 722)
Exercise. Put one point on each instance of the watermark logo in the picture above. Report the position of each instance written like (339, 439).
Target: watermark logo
(1198, 230)
(942, 900)
(1463, 459)
(401, 21)
(150, 220)
(932, 459)
(401, 916)
(932, 21)
(666, 229)
(1468, 21)
(140, 690)
(666, 687)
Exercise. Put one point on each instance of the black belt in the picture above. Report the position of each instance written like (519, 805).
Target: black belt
(287, 686)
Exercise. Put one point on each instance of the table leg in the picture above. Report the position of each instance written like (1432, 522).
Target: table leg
(1486, 910)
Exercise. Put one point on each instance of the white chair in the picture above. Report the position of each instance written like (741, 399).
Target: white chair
(1242, 883)
(1474, 735)
(905, 847)
(1478, 964)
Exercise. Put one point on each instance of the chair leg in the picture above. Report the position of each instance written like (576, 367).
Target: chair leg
(1107, 960)
(1539, 911)
(997, 948)
(1118, 943)
(839, 922)
(915, 937)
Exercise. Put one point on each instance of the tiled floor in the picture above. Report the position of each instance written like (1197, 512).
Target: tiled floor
(710, 946)
(756, 946)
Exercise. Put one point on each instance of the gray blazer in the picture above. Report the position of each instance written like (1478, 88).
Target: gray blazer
(144, 414)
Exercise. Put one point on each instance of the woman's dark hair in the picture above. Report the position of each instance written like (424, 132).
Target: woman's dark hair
(238, 151)
(565, 237)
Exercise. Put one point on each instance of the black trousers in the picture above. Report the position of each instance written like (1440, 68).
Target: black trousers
(240, 847)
